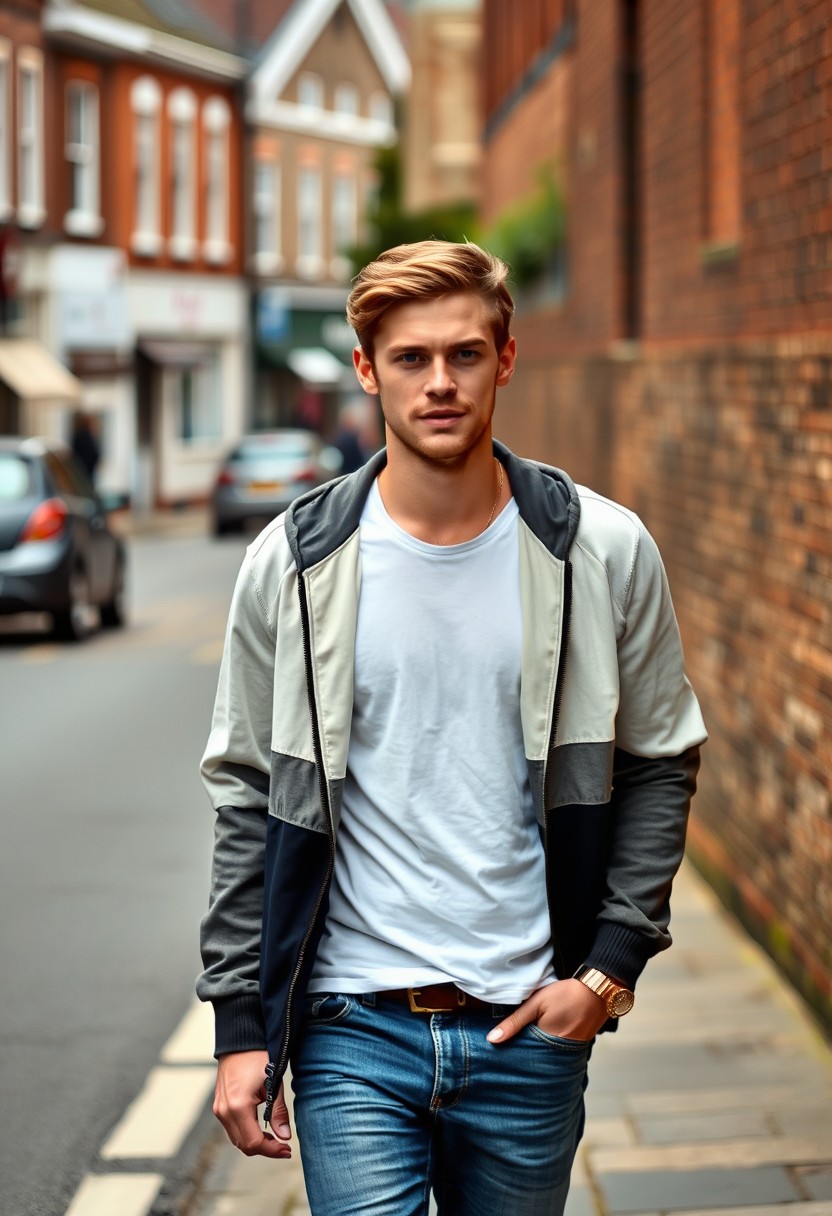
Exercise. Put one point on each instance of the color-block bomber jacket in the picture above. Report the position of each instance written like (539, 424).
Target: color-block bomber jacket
(611, 730)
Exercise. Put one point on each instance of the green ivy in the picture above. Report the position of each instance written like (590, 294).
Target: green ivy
(530, 232)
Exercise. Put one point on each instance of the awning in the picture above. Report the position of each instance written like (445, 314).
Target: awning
(31, 372)
(176, 354)
(317, 367)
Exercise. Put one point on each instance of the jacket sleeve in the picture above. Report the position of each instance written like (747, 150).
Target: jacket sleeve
(235, 770)
(659, 730)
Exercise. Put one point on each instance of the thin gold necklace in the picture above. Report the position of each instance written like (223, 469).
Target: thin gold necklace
(493, 509)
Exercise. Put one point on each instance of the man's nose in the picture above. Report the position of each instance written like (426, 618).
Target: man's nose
(440, 381)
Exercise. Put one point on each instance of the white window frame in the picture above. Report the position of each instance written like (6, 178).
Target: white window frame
(381, 108)
(346, 99)
(83, 153)
(196, 392)
(310, 259)
(216, 125)
(146, 105)
(267, 257)
(311, 92)
(182, 114)
(6, 202)
(344, 220)
(31, 211)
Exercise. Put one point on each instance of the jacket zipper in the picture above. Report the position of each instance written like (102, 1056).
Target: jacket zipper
(275, 1071)
(559, 679)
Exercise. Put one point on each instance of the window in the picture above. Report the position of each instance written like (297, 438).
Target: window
(182, 115)
(216, 119)
(267, 257)
(310, 91)
(30, 138)
(198, 392)
(723, 221)
(5, 129)
(381, 108)
(82, 154)
(146, 100)
(310, 235)
(346, 99)
(344, 220)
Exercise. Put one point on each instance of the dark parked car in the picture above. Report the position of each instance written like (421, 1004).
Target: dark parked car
(57, 553)
(264, 472)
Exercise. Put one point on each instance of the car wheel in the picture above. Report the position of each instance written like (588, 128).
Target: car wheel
(114, 611)
(225, 527)
(74, 623)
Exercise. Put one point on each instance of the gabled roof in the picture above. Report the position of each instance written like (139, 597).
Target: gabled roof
(175, 17)
(302, 26)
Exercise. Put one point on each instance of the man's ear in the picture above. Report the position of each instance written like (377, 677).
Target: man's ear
(364, 370)
(506, 357)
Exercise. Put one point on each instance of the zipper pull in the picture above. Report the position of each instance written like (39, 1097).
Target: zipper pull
(270, 1096)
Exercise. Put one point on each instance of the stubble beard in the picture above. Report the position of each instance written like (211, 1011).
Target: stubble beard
(455, 450)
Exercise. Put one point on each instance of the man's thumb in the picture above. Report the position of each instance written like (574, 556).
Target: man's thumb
(508, 1028)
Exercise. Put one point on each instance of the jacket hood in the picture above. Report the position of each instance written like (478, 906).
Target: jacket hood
(320, 521)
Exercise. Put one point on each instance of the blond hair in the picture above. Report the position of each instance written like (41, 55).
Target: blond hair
(426, 270)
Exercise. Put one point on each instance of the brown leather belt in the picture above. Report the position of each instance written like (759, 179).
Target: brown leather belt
(435, 998)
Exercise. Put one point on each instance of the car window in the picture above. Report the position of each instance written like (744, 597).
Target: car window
(16, 477)
(67, 478)
(288, 449)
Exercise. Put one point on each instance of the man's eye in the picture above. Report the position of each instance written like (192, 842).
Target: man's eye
(410, 357)
(467, 356)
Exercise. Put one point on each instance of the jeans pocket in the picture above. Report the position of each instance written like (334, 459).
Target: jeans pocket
(556, 1040)
(325, 1008)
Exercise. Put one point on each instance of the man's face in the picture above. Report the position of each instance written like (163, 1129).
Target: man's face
(436, 370)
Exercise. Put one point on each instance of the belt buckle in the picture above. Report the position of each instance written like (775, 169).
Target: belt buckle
(415, 1007)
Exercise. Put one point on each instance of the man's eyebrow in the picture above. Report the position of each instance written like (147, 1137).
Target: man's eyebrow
(420, 347)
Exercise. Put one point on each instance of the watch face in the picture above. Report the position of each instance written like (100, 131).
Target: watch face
(621, 1003)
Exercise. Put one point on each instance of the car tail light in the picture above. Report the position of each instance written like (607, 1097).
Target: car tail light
(306, 475)
(225, 478)
(46, 521)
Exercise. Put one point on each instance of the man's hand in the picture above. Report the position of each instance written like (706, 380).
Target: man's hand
(241, 1078)
(566, 1008)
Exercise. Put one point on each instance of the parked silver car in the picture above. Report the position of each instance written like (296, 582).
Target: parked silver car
(265, 472)
(57, 552)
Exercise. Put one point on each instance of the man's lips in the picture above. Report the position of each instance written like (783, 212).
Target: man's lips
(446, 415)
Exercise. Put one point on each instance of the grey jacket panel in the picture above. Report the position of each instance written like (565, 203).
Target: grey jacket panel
(624, 694)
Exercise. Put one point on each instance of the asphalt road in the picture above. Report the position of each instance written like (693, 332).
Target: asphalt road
(104, 864)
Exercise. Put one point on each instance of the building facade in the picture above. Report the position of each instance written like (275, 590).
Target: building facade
(321, 101)
(686, 370)
(139, 278)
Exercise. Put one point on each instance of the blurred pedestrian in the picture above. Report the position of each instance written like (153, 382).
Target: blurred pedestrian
(84, 444)
(452, 756)
(348, 440)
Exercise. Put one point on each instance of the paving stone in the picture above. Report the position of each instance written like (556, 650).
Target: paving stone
(817, 1182)
(723, 1125)
(580, 1202)
(689, 1189)
(779, 1150)
(613, 1132)
(773, 1098)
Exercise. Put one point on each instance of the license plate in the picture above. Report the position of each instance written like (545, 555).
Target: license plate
(265, 487)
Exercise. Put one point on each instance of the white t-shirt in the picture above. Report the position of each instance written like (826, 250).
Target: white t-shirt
(439, 872)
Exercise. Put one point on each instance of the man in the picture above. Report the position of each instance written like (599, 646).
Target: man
(452, 757)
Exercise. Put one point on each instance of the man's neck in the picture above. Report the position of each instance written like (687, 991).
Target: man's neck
(443, 504)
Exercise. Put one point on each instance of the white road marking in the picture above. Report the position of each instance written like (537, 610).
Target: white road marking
(193, 1040)
(111, 1194)
(156, 1123)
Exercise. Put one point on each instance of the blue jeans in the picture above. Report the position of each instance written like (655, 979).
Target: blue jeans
(389, 1104)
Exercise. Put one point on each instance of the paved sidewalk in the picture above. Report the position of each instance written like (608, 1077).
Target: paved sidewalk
(714, 1097)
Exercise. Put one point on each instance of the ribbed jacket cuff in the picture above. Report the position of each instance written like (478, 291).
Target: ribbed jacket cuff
(619, 952)
(238, 1023)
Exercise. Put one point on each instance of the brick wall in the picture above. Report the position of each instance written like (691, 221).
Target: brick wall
(716, 424)
(726, 453)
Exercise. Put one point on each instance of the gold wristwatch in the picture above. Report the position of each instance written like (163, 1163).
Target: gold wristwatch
(618, 999)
